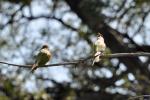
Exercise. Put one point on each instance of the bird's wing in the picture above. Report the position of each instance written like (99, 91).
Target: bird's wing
(94, 49)
(39, 56)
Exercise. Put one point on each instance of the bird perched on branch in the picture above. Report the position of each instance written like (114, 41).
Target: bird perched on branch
(42, 58)
(100, 47)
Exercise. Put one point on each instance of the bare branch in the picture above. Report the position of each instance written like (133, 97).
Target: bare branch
(116, 55)
(50, 17)
(29, 66)
(25, 66)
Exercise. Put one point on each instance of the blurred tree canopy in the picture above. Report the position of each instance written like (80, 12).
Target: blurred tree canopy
(70, 28)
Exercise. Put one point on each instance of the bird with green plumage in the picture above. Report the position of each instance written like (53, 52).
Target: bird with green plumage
(42, 58)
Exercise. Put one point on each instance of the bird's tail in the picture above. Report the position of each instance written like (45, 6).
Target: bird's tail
(97, 57)
(34, 67)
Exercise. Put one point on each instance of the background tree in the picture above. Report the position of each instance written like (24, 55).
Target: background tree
(70, 28)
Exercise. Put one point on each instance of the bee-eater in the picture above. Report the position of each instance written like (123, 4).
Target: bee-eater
(42, 58)
(100, 47)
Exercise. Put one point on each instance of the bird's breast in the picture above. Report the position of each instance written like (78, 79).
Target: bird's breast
(43, 57)
(45, 52)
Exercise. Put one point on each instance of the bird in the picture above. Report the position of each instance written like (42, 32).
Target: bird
(100, 47)
(42, 58)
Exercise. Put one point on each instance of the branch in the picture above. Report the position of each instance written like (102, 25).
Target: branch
(115, 55)
(50, 17)
(29, 66)
(11, 20)
(29, 18)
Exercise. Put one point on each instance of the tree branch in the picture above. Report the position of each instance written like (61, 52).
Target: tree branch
(115, 55)
(50, 17)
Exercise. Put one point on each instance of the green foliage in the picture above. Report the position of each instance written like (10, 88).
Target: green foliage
(2, 97)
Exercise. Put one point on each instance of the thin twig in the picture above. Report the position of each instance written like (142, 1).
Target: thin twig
(29, 66)
(50, 17)
(115, 55)
(26, 66)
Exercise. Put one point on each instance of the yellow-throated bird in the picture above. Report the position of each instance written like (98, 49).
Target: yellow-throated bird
(100, 47)
(42, 58)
